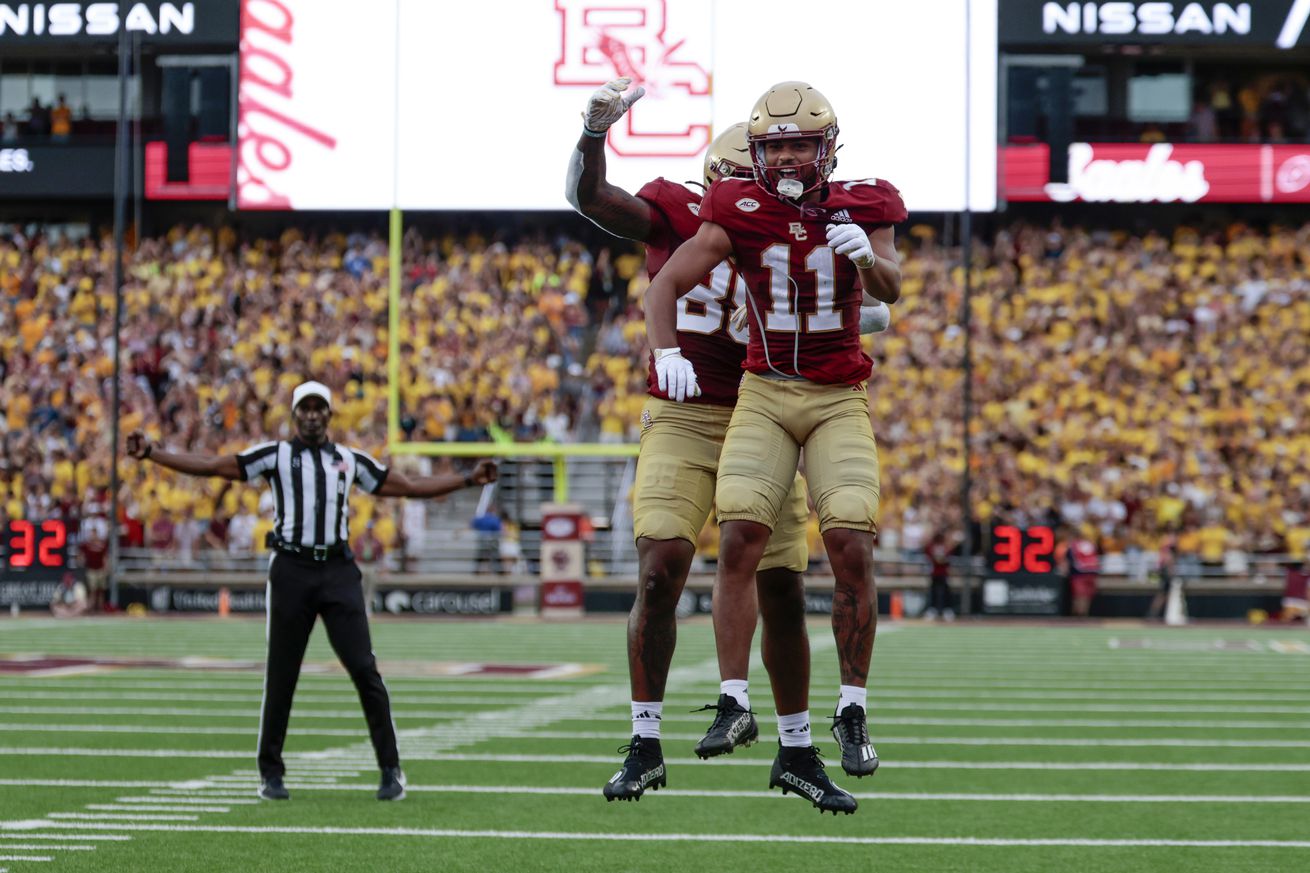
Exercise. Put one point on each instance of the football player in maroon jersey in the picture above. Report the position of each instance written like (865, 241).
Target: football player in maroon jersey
(680, 444)
(810, 251)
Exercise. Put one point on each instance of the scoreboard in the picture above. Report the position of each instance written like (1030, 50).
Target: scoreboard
(1022, 577)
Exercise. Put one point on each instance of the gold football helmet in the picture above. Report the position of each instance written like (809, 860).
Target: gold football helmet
(792, 110)
(729, 156)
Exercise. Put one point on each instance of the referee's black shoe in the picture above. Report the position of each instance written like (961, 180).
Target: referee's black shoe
(393, 784)
(642, 769)
(273, 789)
(850, 728)
(733, 726)
(800, 770)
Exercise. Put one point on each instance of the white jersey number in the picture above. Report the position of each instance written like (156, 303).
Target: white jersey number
(782, 315)
(705, 308)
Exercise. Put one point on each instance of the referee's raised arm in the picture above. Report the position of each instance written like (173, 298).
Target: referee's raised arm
(223, 466)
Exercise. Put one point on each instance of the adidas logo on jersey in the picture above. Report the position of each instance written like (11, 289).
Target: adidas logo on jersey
(841, 216)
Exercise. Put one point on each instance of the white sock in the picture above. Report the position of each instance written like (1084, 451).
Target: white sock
(646, 718)
(853, 694)
(736, 688)
(794, 730)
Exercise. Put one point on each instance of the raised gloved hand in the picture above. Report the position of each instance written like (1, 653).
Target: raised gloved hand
(850, 240)
(875, 319)
(608, 104)
(675, 375)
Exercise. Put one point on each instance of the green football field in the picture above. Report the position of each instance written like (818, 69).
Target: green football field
(1005, 748)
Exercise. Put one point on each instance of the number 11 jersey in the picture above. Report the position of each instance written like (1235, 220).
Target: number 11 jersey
(804, 295)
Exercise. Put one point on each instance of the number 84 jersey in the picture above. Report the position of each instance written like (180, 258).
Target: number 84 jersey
(805, 296)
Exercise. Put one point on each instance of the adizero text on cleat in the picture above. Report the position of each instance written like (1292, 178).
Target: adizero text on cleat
(642, 769)
(851, 730)
(733, 726)
(800, 771)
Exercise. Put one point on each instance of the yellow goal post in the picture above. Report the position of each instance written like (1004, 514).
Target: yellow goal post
(557, 452)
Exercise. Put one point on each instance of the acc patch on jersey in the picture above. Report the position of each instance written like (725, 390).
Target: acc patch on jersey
(746, 204)
(693, 208)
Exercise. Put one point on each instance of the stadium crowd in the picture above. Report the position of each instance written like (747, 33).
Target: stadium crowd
(1129, 387)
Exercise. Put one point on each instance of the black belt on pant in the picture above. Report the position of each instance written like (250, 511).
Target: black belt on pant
(312, 553)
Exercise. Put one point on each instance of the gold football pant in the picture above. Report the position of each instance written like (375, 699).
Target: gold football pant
(773, 421)
(674, 490)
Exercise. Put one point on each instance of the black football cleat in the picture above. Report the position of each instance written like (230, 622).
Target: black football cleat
(642, 769)
(801, 770)
(732, 727)
(273, 789)
(392, 786)
(851, 730)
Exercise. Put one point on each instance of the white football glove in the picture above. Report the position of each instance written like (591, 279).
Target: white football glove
(851, 241)
(740, 318)
(608, 104)
(675, 375)
(875, 319)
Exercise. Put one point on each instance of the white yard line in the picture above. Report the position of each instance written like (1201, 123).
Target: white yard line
(883, 696)
(151, 808)
(655, 837)
(584, 791)
(29, 827)
(436, 754)
(183, 801)
(910, 765)
(122, 816)
(552, 704)
(162, 729)
(33, 847)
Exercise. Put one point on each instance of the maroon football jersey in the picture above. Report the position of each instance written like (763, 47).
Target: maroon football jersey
(704, 333)
(807, 295)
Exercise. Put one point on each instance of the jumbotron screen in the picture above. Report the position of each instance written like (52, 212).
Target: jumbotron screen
(477, 106)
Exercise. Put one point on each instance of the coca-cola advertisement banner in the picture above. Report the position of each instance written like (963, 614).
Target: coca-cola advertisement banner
(1160, 173)
(1273, 24)
(442, 106)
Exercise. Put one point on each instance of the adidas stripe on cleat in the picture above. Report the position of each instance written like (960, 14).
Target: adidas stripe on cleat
(642, 769)
(800, 770)
(732, 727)
(850, 729)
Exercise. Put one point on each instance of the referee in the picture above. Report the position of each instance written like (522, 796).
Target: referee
(312, 571)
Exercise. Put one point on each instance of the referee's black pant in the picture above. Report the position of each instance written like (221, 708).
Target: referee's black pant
(299, 590)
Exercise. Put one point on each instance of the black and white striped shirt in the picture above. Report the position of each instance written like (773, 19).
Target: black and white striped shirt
(311, 487)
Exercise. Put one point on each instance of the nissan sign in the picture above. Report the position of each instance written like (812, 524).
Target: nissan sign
(1272, 23)
(161, 23)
